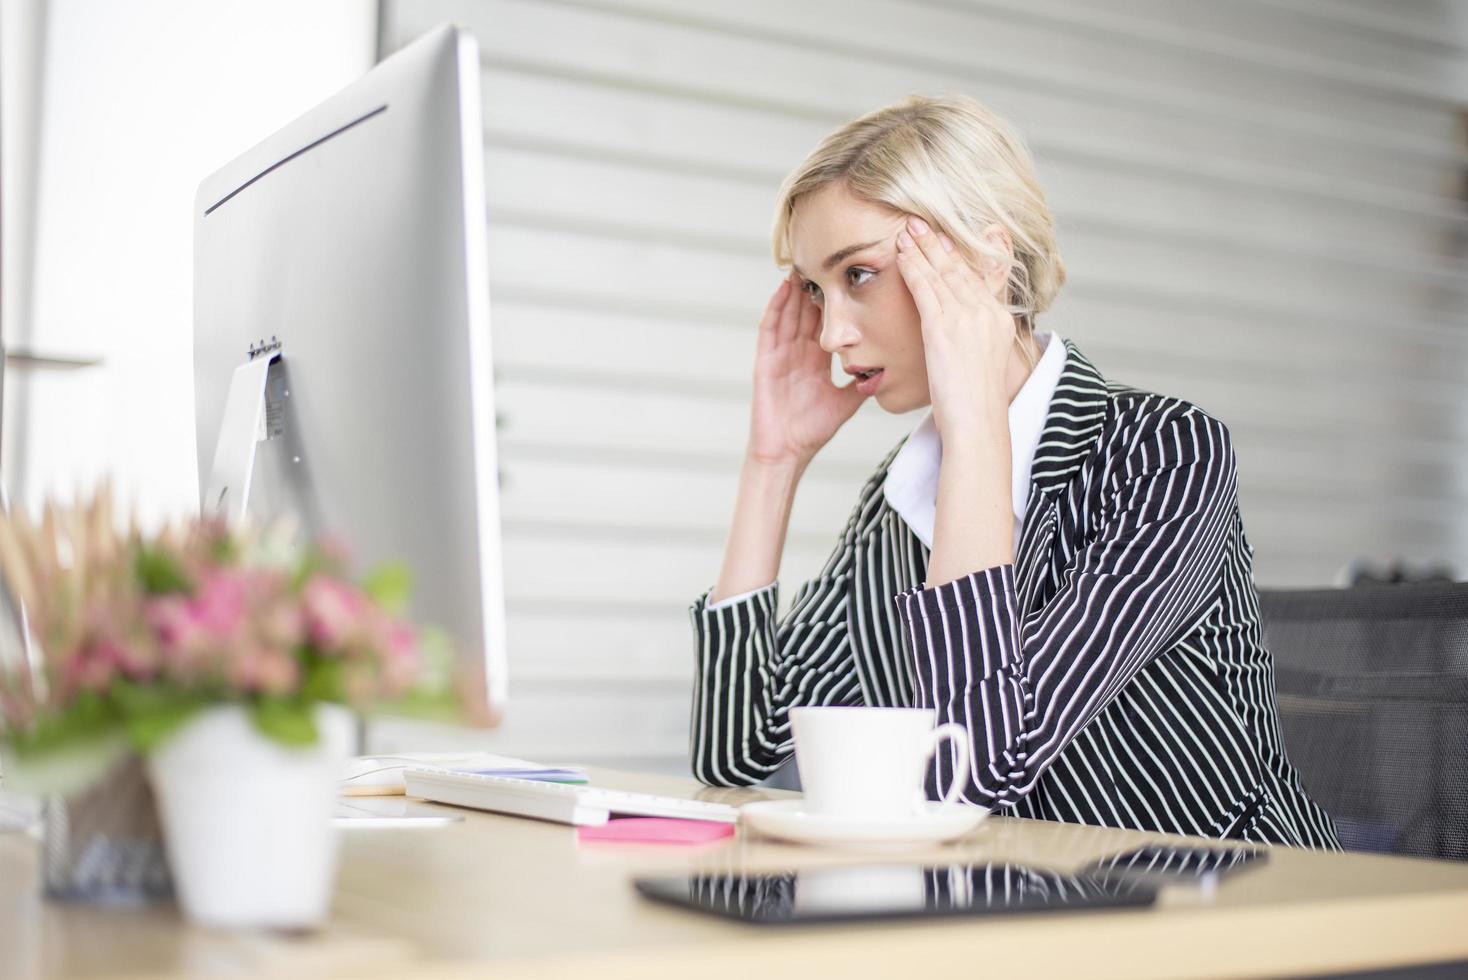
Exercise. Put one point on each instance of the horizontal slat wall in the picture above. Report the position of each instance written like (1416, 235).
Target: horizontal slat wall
(1260, 205)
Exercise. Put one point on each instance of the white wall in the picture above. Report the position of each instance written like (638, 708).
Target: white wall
(1258, 202)
(137, 102)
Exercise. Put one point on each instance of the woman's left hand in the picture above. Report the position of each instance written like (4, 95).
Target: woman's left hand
(967, 333)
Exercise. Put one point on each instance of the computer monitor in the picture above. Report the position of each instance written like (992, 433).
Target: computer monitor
(341, 336)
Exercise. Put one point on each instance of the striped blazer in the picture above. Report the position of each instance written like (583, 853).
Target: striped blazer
(1115, 674)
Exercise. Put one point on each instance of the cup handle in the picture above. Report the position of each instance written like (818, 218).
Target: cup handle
(951, 730)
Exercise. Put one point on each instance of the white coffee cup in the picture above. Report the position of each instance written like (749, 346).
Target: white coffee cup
(871, 762)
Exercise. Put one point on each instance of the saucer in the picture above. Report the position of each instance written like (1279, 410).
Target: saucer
(789, 820)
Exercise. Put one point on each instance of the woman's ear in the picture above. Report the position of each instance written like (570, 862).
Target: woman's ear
(994, 272)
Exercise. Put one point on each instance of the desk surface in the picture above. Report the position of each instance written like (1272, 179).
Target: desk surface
(525, 896)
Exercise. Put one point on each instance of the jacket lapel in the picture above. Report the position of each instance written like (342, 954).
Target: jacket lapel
(1073, 424)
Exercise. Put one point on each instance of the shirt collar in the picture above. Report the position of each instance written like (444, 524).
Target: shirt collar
(911, 486)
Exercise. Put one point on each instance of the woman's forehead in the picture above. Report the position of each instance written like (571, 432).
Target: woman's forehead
(830, 219)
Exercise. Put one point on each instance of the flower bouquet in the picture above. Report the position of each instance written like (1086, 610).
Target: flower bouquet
(228, 665)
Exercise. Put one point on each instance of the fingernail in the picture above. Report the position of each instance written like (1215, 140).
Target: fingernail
(905, 240)
(947, 243)
(918, 226)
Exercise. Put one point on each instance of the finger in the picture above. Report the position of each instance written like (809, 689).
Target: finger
(770, 319)
(974, 289)
(959, 278)
(937, 275)
(921, 281)
(790, 313)
(932, 247)
(978, 280)
(966, 284)
(810, 319)
(963, 280)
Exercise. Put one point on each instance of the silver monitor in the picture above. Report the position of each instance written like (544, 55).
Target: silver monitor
(341, 336)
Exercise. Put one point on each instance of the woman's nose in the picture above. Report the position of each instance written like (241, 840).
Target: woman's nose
(836, 331)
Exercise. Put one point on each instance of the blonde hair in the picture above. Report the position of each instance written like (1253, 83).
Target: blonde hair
(954, 163)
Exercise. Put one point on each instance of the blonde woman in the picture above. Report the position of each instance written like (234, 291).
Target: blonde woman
(1053, 560)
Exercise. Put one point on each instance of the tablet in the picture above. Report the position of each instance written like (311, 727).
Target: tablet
(891, 891)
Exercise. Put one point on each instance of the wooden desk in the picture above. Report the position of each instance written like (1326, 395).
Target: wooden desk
(522, 898)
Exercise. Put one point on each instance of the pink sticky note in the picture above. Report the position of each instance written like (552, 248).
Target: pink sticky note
(657, 830)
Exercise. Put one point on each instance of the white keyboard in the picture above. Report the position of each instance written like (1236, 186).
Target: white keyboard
(573, 803)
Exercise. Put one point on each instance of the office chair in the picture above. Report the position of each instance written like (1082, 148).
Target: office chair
(1373, 699)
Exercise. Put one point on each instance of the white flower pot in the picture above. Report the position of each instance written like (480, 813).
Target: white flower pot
(248, 822)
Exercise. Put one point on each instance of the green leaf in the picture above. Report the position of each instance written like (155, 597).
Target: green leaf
(65, 750)
(288, 721)
(390, 585)
(61, 769)
(86, 719)
(225, 550)
(324, 678)
(153, 713)
(159, 573)
(152, 730)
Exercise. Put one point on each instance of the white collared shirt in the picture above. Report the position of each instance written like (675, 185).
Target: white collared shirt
(911, 486)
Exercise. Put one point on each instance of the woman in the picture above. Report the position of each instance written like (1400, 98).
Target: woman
(1055, 561)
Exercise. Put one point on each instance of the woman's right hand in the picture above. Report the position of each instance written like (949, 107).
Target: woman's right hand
(797, 408)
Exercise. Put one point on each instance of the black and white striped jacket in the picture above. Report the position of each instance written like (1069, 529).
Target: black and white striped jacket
(1115, 674)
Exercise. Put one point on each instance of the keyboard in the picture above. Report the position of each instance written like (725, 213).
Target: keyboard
(562, 802)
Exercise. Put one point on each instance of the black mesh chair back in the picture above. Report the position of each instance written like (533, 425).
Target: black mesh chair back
(1373, 699)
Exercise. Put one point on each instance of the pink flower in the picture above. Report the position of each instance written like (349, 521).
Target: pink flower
(243, 666)
(334, 612)
(402, 656)
(169, 619)
(282, 624)
(134, 660)
(85, 670)
(276, 672)
(254, 668)
(219, 608)
(118, 633)
(402, 641)
(138, 659)
(182, 642)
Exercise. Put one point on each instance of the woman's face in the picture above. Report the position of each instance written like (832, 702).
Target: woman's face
(868, 317)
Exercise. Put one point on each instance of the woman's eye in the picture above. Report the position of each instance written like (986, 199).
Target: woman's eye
(814, 291)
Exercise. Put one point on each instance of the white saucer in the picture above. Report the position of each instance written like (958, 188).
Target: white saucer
(788, 819)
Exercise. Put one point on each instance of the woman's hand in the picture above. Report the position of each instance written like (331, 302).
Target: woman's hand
(967, 338)
(796, 408)
(967, 334)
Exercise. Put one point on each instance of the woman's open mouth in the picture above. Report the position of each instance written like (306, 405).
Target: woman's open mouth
(867, 382)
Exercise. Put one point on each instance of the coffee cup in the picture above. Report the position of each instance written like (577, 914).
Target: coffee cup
(871, 762)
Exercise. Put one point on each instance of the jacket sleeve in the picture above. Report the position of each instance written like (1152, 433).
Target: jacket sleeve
(750, 670)
(1025, 687)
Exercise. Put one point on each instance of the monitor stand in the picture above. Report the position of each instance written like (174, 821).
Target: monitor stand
(245, 425)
